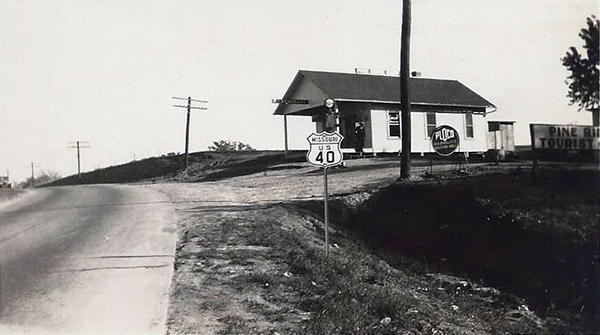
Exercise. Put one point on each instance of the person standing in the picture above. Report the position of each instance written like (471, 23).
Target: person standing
(359, 136)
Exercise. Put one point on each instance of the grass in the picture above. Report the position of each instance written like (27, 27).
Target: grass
(352, 292)
(235, 325)
(537, 240)
(494, 228)
(7, 194)
(203, 166)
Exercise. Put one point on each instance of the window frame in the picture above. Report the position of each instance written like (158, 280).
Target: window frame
(427, 124)
(389, 125)
(472, 126)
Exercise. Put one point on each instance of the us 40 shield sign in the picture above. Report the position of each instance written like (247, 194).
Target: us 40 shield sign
(325, 152)
(325, 149)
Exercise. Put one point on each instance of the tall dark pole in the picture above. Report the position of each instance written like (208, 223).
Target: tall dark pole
(32, 176)
(405, 90)
(189, 108)
(187, 133)
(285, 135)
(79, 145)
(78, 162)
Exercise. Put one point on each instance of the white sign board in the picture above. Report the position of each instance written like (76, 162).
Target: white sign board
(325, 149)
(564, 137)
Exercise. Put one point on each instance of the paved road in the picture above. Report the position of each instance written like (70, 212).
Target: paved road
(86, 259)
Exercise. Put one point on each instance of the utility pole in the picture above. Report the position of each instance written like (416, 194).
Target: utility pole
(405, 90)
(79, 145)
(189, 108)
(32, 176)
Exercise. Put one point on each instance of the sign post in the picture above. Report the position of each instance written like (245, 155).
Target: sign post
(326, 209)
(325, 152)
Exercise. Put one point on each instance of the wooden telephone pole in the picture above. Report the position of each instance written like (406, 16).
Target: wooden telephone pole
(79, 145)
(405, 90)
(32, 175)
(189, 108)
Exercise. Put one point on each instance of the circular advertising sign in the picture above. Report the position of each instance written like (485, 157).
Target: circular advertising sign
(444, 140)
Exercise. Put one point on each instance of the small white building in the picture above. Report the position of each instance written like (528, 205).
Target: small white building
(375, 100)
(501, 136)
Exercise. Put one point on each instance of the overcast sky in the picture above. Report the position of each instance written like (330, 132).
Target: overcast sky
(104, 71)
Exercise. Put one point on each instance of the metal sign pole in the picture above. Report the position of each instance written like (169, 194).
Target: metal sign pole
(326, 213)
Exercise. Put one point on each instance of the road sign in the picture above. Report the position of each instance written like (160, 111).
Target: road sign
(325, 152)
(564, 137)
(289, 101)
(445, 140)
(325, 149)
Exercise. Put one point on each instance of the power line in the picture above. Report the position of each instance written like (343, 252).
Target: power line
(195, 100)
(189, 108)
(79, 145)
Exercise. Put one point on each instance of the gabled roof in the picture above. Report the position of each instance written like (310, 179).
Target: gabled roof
(386, 89)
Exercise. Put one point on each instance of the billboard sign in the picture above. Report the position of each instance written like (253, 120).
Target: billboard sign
(564, 137)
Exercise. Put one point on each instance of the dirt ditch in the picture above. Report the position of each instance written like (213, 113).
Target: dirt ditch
(537, 240)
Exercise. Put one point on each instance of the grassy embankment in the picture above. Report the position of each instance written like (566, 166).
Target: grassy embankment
(7, 194)
(447, 243)
(536, 240)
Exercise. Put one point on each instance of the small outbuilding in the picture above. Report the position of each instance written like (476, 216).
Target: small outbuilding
(501, 136)
(374, 100)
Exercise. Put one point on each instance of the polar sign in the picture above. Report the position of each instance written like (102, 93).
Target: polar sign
(444, 140)
(325, 149)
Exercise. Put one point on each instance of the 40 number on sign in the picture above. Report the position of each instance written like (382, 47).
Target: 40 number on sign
(329, 156)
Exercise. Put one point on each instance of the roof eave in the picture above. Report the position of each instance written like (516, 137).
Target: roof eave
(293, 86)
(415, 103)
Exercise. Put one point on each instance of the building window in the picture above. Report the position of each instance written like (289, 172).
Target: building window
(394, 124)
(431, 123)
(469, 125)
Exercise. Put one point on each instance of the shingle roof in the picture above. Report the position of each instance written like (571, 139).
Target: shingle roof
(366, 87)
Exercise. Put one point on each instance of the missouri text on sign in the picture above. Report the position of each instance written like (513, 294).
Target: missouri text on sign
(325, 149)
(564, 137)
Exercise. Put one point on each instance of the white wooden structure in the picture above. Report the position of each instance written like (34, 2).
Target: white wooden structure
(375, 101)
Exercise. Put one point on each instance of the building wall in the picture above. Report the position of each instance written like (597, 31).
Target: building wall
(305, 90)
(382, 142)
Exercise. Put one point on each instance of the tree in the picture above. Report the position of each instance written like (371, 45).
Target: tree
(583, 80)
(226, 145)
(42, 178)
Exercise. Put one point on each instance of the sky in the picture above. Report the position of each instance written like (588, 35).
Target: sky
(104, 71)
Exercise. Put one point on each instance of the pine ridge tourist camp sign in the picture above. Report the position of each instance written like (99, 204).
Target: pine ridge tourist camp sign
(444, 140)
(564, 137)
